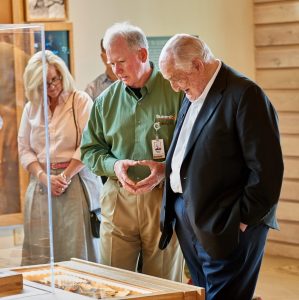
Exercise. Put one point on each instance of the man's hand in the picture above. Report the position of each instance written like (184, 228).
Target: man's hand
(243, 227)
(157, 175)
(121, 169)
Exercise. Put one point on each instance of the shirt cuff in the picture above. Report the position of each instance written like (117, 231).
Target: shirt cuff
(109, 166)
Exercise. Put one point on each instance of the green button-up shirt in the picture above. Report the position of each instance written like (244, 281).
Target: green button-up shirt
(121, 126)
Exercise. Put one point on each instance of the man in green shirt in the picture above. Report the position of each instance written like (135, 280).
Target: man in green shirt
(126, 139)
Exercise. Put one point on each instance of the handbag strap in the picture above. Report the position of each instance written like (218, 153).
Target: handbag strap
(75, 121)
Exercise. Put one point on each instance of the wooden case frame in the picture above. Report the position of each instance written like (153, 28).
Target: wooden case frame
(154, 287)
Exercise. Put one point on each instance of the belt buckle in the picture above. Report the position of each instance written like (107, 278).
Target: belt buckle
(59, 165)
(56, 166)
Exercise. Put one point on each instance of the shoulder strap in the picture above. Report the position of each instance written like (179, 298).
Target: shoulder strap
(76, 125)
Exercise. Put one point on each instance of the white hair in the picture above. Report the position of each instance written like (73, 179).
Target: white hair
(182, 48)
(134, 36)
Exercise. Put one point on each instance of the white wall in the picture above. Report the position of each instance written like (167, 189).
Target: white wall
(227, 27)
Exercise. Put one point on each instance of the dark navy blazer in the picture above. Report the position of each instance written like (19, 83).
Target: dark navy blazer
(233, 167)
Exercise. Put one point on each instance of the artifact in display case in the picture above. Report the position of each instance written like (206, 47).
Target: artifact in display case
(103, 282)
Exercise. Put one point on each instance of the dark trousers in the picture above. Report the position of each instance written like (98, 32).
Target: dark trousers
(232, 278)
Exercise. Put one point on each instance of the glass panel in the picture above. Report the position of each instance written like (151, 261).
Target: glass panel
(25, 233)
(42, 118)
(9, 194)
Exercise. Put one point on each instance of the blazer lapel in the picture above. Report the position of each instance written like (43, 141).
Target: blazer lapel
(210, 105)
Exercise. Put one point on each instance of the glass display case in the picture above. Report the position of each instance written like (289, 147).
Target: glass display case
(78, 279)
(16, 48)
(47, 277)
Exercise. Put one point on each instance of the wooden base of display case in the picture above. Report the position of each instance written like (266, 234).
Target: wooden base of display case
(10, 283)
(78, 279)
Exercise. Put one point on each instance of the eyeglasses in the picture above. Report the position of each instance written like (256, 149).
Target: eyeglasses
(54, 81)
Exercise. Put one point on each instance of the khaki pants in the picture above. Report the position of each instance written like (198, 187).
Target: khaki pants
(130, 224)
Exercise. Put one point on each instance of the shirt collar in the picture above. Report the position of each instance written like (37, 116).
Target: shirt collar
(149, 85)
(63, 97)
(204, 94)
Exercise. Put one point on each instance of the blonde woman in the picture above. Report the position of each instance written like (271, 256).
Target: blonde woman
(68, 111)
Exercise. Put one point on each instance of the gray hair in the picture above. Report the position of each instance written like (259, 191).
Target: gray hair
(182, 48)
(33, 75)
(134, 36)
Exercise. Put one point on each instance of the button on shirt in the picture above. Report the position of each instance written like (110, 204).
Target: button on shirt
(179, 152)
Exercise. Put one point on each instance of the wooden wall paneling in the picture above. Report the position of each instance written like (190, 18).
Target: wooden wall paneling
(291, 167)
(18, 11)
(6, 12)
(290, 145)
(277, 12)
(289, 122)
(284, 100)
(288, 233)
(282, 249)
(278, 78)
(277, 57)
(277, 34)
(277, 71)
(288, 211)
(290, 190)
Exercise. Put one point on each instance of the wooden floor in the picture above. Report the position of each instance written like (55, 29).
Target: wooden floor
(279, 279)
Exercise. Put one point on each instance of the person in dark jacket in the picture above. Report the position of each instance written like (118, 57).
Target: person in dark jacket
(224, 170)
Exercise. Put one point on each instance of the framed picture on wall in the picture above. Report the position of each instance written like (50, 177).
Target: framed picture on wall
(58, 39)
(46, 10)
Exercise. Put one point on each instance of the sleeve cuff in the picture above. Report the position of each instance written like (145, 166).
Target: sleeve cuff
(109, 166)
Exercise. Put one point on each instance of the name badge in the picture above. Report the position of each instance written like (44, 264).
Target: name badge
(158, 148)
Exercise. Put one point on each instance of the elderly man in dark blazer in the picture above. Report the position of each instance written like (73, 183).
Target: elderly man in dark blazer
(224, 170)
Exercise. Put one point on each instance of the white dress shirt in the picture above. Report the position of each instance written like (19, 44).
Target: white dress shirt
(179, 152)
